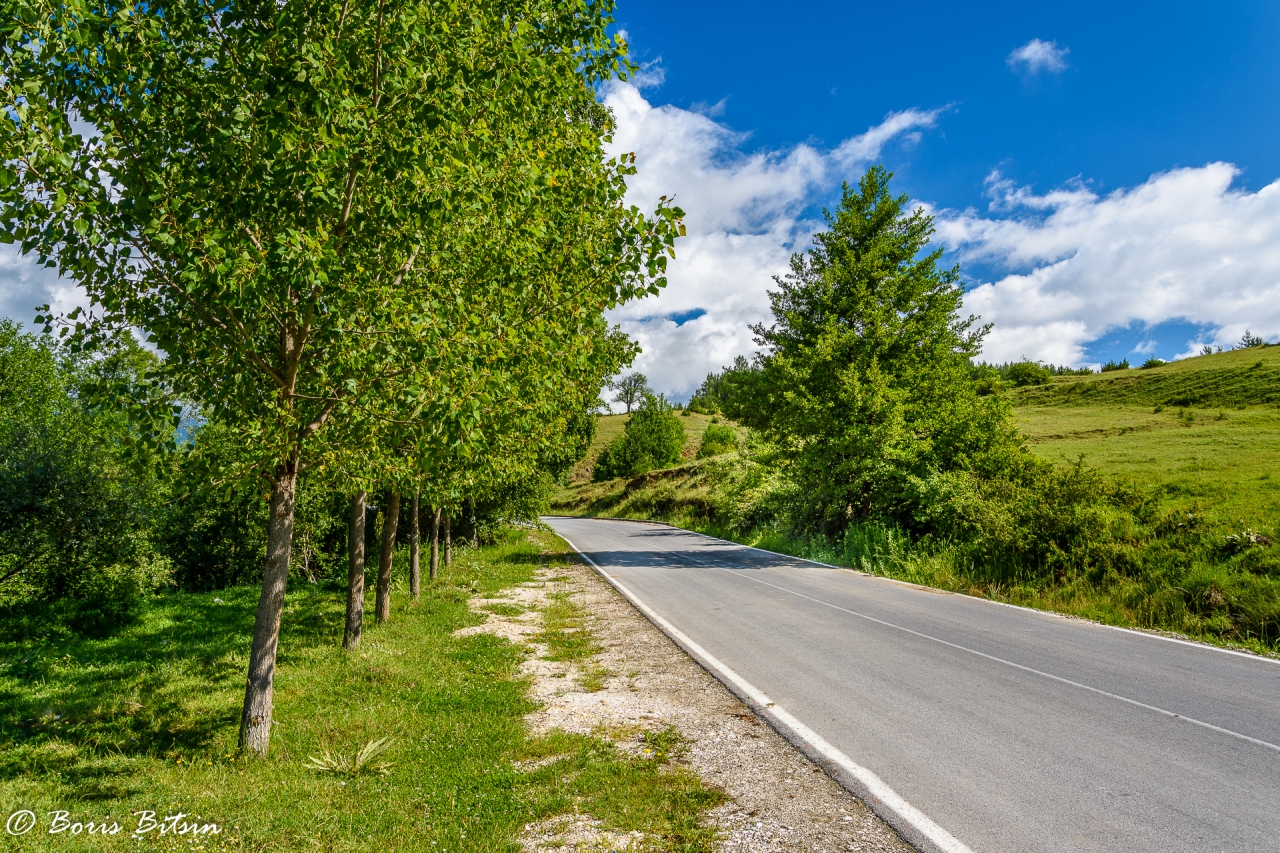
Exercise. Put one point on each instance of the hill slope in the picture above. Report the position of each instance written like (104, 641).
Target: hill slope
(1204, 432)
(1239, 378)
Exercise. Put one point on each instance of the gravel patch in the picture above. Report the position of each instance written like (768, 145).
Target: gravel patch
(778, 799)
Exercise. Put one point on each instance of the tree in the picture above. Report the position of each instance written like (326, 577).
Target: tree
(259, 181)
(865, 386)
(631, 389)
(653, 438)
(1249, 340)
(76, 513)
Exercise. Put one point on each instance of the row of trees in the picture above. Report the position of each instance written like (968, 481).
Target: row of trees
(374, 240)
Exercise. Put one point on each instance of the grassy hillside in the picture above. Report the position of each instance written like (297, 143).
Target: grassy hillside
(610, 427)
(1204, 432)
(1240, 378)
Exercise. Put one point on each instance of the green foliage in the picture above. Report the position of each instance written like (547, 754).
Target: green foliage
(1249, 340)
(1151, 362)
(653, 437)
(1026, 373)
(1110, 366)
(631, 389)
(706, 399)
(866, 387)
(75, 508)
(718, 439)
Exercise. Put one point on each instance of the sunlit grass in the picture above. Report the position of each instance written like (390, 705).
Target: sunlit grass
(147, 719)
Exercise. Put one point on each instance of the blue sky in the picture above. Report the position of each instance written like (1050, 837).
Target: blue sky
(1147, 87)
(1046, 171)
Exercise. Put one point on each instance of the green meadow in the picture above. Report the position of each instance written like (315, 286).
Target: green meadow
(1204, 432)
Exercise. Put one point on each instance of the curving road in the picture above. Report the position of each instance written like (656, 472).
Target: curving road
(986, 727)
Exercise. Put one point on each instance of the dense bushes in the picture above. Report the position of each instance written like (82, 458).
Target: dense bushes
(75, 508)
(718, 439)
(652, 438)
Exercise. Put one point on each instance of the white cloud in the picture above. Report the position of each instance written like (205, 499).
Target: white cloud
(24, 285)
(743, 213)
(1037, 55)
(1184, 246)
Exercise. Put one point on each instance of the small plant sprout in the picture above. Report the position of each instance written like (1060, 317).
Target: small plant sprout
(362, 762)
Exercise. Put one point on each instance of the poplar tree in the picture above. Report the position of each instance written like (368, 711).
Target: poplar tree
(251, 185)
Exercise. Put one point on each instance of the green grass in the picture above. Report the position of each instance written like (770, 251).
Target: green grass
(1240, 378)
(147, 718)
(1223, 463)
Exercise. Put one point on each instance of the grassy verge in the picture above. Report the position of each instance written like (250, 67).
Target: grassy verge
(146, 720)
(1195, 595)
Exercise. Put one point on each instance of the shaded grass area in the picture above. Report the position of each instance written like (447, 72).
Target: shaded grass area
(147, 719)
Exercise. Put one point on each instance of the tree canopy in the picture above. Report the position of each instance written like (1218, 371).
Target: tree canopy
(865, 386)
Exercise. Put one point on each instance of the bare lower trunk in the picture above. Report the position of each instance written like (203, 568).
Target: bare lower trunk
(355, 572)
(435, 543)
(414, 574)
(255, 721)
(382, 605)
(448, 541)
(475, 531)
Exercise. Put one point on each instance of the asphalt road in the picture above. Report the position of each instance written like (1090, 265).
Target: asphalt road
(1010, 729)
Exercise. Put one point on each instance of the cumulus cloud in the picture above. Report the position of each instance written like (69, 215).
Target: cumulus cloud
(1036, 56)
(744, 214)
(1184, 246)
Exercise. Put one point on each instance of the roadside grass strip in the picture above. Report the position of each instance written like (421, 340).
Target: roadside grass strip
(416, 741)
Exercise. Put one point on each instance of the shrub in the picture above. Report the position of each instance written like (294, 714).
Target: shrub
(1152, 362)
(1123, 364)
(718, 439)
(76, 505)
(652, 438)
(1024, 373)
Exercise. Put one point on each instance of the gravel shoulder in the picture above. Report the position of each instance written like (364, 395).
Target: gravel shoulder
(639, 682)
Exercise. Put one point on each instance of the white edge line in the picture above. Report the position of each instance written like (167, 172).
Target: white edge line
(910, 822)
(1049, 613)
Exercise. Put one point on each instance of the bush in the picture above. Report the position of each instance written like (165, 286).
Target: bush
(77, 497)
(1152, 362)
(718, 439)
(1024, 373)
(653, 438)
(1123, 364)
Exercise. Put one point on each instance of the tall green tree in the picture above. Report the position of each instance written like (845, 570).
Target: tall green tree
(256, 182)
(865, 386)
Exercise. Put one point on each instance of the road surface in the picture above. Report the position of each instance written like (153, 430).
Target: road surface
(996, 728)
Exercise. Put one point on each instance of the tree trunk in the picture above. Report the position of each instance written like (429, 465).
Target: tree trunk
(391, 517)
(355, 572)
(255, 720)
(414, 574)
(475, 531)
(435, 543)
(448, 541)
